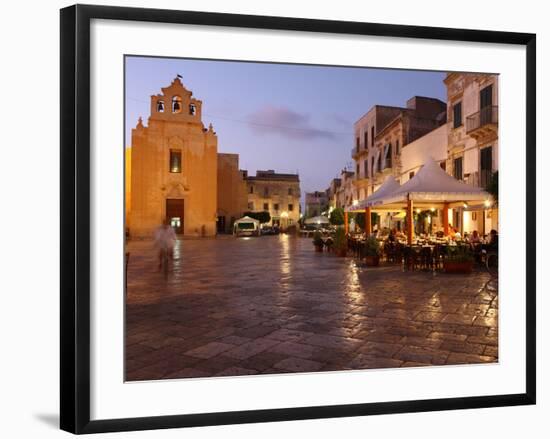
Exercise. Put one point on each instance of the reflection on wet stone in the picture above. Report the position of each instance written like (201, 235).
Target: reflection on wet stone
(233, 307)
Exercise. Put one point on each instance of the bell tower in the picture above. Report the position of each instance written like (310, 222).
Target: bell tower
(176, 103)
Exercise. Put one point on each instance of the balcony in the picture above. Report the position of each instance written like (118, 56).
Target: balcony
(356, 152)
(483, 124)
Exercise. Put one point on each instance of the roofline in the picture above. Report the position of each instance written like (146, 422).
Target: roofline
(379, 105)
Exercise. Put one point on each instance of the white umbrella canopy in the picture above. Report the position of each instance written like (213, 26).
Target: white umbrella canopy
(317, 220)
(389, 185)
(247, 219)
(433, 185)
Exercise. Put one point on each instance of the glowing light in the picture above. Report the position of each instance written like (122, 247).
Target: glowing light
(432, 209)
(355, 202)
(284, 215)
(487, 203)
(417, 210)
(465, 205)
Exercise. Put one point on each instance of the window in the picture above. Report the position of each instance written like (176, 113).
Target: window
(457, 115)
(411, 174)
(290, 207)
(443, 165)
(457, 168)
(486, 166)
(175, 161)
(387, 158)
(397, 147)
(251, 189)
(250, 205)
(372, 136)
(366, 138)
(357, 170)
(366, 168)
(266, 191)
(485, 105)
(289, 191)
(192, 109)
(379, 166)
(276, 206)
(160, 106)
(176, 104)
(266, 206)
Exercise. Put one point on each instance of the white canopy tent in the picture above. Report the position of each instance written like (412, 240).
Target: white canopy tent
(430, 188)
(433, 186)
(246, 225)
(389, 186)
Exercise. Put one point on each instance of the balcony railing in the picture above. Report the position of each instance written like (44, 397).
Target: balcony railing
(356, 151)
(486, 116)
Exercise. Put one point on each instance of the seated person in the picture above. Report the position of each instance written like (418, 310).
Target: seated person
(493, 240)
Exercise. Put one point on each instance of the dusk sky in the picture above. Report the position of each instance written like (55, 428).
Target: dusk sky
(290, 118)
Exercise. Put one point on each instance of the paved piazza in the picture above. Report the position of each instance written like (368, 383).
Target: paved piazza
(272, 305)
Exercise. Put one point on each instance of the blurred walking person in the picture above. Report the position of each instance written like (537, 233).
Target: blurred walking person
(165, 239)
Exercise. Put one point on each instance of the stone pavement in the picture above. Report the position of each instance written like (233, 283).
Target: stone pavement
(272, 305)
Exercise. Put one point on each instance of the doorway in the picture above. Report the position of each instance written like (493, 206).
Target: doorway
(175, 214)
(221, 224)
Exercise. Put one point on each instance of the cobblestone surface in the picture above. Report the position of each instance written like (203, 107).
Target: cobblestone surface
(272, 305)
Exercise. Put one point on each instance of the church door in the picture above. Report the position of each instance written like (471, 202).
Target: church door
(175, 214)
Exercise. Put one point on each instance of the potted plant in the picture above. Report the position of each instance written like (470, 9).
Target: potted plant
(372, 252)
(459, 259)
(318, 241)
(340, 242)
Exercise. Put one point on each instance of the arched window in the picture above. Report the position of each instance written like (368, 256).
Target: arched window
(192, 109)
(176, 104)
(160, 106)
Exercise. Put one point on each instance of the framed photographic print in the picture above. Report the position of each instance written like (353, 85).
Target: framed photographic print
(268, 218)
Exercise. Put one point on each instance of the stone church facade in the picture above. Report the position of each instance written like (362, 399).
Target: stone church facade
(174, 167)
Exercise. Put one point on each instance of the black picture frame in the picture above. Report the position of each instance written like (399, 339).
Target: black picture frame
(75, 217)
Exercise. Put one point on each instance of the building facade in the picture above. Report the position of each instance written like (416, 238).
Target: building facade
(332, 192)
(461, 135)
(316, 203)
(365, 130)
(472, 144)
(383, 132)
(231, 192)
(276, 193)
(346, 193)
